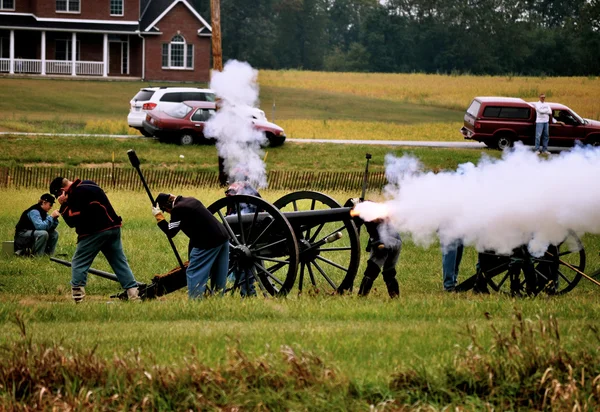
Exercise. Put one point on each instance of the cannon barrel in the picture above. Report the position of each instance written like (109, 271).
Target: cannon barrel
(300, 218)
(97, 272)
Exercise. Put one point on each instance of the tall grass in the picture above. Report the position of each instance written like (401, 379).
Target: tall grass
(524, 367)
(453, 92)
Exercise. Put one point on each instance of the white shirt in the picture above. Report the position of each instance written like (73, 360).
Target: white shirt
(543, 112)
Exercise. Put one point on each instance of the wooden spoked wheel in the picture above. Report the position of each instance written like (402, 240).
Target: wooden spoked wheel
(263, 251)
(329, 251)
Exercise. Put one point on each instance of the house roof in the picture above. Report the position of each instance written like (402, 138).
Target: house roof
(30, 22)
(152, 12)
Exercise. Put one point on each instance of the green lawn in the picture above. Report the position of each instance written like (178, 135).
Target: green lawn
(427, 350)
(367, 340)
(64, 106)
(82, 151)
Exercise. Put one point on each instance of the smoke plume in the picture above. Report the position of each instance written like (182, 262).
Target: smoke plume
(238, 142)
(497, 205)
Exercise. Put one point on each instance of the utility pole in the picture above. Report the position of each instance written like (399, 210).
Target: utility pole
(217, 52)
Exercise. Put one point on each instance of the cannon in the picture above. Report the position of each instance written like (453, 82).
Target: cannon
(556, 272)
(305, 236)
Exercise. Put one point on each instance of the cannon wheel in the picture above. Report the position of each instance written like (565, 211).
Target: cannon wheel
(558, 262)
(331, 267)
(251, 245)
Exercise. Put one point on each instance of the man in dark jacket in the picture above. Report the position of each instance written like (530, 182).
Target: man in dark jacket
(384, 245)
(35, 233)
(209, 241)
(85, 207)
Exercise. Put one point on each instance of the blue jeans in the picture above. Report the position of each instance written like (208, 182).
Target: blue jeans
(541, 130)
(44, 242)
(205, 263)
(451, 258)
(109, 243)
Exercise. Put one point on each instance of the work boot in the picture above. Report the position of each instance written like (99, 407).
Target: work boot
(133, 294)
(393, 288)
(78, 293)
(371, 273)
(365, 286)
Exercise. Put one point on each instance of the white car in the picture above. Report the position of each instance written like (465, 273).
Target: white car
(159, 98)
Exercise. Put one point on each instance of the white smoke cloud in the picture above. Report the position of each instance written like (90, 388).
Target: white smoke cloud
(238, 142)
(497, 204)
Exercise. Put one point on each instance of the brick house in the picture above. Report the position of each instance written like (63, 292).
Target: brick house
(145, 39)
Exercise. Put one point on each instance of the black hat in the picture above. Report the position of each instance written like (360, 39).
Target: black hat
(56, 186)
(162, 201)
(47, 197)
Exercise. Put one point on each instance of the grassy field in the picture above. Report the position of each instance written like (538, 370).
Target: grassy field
(98, 151)
(428, 350)
(307, 104)
(367, 342)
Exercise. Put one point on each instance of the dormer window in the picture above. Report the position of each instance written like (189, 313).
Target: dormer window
(7, 4)
(116, 7)
(68, 6)
(177, 54)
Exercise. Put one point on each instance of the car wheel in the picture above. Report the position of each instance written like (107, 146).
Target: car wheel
(504, 142)
(275, 141)
(145, 133)
(186, 139)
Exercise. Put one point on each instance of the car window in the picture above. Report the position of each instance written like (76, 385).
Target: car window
(474, 108)
(202, 115)
(178, 111)
(198, 96)
(174, 97)
(143, 95)
(565, 117)
(507, 112)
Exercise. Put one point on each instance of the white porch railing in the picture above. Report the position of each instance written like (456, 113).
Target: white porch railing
(90, 68)
(34, 66)
(58, 67)
(28, 66)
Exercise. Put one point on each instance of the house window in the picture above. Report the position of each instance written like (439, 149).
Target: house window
(69, 6)
(7, 4)
(116, 7)
(63, 49)
(177, 54)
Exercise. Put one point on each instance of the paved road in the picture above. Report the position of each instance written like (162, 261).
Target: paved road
(413, 143)
(463, 145)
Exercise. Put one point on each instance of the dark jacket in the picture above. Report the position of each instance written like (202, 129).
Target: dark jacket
(88, 209)
(191, 217)
(25, 223)
(375, 238)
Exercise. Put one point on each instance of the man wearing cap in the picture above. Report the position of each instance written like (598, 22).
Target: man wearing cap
(85, 207)
(209, 241)
(36, 229)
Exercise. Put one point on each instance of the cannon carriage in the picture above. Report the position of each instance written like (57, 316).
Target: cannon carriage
(305, 236)
(556, 272)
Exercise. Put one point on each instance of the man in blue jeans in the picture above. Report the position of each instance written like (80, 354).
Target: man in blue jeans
(209, 241)
(35, 232)
(451, 257)
(542, 119)
(85, 207)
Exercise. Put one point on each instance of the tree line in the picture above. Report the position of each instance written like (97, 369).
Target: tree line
(520, 37)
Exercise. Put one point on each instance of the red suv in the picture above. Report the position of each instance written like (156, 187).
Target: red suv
(500, 121)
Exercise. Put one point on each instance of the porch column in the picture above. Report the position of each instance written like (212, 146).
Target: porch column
(105, 55)
(11, 63)
(43, 52)
(74, 54)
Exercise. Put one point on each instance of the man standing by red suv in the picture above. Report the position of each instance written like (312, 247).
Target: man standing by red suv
(542, 119)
